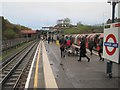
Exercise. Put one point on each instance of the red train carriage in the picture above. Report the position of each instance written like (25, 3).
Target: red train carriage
(87, 39)
(96, 38)
(100, 37)
(73, 37)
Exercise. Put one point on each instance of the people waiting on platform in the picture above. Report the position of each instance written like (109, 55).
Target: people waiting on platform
(49, 39)
(62, 43)
(57, 37)
(68, 42)
(71, 40)
(52, 39)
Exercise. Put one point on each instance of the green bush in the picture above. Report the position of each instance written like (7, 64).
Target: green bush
(9, 34)
(81, 29)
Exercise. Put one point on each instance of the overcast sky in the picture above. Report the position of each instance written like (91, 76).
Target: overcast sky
(36, 14)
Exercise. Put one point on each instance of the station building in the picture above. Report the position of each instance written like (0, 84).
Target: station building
(29, 33)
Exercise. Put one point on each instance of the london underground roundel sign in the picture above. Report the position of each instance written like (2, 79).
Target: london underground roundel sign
(110, 44)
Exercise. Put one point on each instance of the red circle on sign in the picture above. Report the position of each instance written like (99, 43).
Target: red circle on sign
(114, 39)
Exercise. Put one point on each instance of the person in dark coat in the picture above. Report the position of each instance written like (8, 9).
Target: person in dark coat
(90, 45)
(49, 38)
(71, 40)
(100, 49)
(57, 37)
(83, 50)
(62, 43)
(52, 39)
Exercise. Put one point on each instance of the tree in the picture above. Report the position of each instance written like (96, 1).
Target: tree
(17, 29)
(9, 34)
(60, 21)
(79, 24)
(67, 21)
(9, 29)
(64, 22)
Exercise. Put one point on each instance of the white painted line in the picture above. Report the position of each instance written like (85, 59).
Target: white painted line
(49, 78)
(30, 72)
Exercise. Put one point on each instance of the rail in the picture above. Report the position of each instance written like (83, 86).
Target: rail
(10, 69)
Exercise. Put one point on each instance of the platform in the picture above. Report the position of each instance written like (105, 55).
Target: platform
(72, 74)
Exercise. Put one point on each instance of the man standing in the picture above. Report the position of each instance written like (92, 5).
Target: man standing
(62, 43)
(83, 50)
(49, 38)
(52, 39)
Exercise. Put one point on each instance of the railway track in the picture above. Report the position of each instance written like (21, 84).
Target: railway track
(13, 70)
(20, 84)
(11, 57)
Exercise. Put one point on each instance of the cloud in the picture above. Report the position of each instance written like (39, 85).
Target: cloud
(37, 14)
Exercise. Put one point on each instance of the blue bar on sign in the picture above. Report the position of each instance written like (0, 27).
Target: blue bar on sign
(109, 44)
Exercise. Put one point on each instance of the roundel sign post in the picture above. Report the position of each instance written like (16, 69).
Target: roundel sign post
(111, 45)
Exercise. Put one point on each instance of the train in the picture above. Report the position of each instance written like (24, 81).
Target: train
(76, 38)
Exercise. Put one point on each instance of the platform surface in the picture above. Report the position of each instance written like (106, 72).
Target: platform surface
(74, 74)
(84, 74)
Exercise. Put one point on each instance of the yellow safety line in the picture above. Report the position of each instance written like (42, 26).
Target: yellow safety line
(36, 71)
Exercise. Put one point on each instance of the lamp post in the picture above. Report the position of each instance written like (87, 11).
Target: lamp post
(113, 3)
(109, 64)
